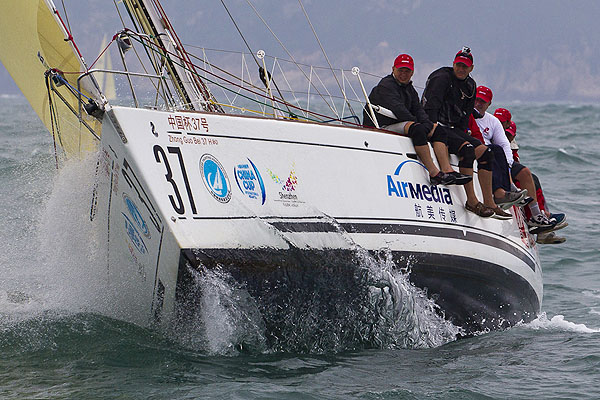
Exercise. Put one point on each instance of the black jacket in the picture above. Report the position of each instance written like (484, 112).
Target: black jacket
(449, 100)
(402, 100)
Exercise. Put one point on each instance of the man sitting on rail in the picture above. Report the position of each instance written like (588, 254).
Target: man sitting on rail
(448, 100)
(485, 127)
(560, 219)
(399, 110)
(491, 129)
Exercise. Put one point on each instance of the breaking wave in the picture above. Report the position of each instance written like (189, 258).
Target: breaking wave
(372, 306)
(558, 323)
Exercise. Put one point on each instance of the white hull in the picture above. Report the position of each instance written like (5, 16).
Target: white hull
(211, 188)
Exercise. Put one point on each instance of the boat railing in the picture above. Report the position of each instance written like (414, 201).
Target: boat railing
(278, 88)
(129, 74)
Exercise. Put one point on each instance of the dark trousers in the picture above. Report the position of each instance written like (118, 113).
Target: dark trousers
(500, 174)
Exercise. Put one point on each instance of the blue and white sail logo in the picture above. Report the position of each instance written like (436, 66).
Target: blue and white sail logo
(136, 215)
(134, 235)
(215, 178)
(396, 187)
(249, 181)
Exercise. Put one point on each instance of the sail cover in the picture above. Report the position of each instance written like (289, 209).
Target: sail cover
(32, 42)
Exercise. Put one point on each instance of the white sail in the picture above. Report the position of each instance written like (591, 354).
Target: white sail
(33, 43)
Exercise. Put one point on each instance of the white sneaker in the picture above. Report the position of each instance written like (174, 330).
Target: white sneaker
(540, 223)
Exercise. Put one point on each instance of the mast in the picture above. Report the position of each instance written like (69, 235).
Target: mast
(192, 90)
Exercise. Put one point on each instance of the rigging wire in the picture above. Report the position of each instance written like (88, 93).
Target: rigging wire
(280, 59)
(325, 54)
(204, 60)
(66, 15)
(166, 93)
(241, 34)
(290, 55)
(209, 99)
(252, 53)
(141, 38)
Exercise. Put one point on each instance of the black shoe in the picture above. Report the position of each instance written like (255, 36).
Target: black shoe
(560, 219)
(460, 179)
(441, 179)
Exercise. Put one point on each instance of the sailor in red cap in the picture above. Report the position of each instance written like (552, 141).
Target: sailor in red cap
(492, 134)
(398, 109)
(504, 116)
(559, 219)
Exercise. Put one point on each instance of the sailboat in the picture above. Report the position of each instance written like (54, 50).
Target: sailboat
(273, 194)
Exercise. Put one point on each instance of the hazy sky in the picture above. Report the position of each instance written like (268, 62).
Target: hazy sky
(542, 50)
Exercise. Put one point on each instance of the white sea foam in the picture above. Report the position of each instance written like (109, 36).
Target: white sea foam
(591, 293)
(59, 265)
(558, 323)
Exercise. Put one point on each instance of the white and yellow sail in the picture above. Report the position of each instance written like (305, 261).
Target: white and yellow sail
(32, 42)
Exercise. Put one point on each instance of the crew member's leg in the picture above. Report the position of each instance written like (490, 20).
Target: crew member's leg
(439, 141)
(500, 172)
(561, 219)
(418, 133)
(538, 220)
(459, 143)
(539, 194)
(485, 159)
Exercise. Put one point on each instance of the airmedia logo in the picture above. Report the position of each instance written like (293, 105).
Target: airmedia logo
(399, 188)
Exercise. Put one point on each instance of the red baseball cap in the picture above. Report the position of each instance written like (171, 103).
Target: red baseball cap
(484, 93)
(503, 114)
(404, 61)
(512, 129)
(464, 57)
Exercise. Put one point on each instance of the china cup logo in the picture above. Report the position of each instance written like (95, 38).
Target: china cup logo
(250, 181)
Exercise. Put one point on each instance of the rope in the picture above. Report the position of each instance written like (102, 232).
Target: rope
(206, 94)
(103, 51)
(72, 88)
(69, 36)
(166, 94)
(51, 106)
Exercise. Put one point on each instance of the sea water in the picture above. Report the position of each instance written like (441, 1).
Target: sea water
(58, 339)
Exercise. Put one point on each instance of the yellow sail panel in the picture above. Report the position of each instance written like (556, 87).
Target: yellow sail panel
(32, 43)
